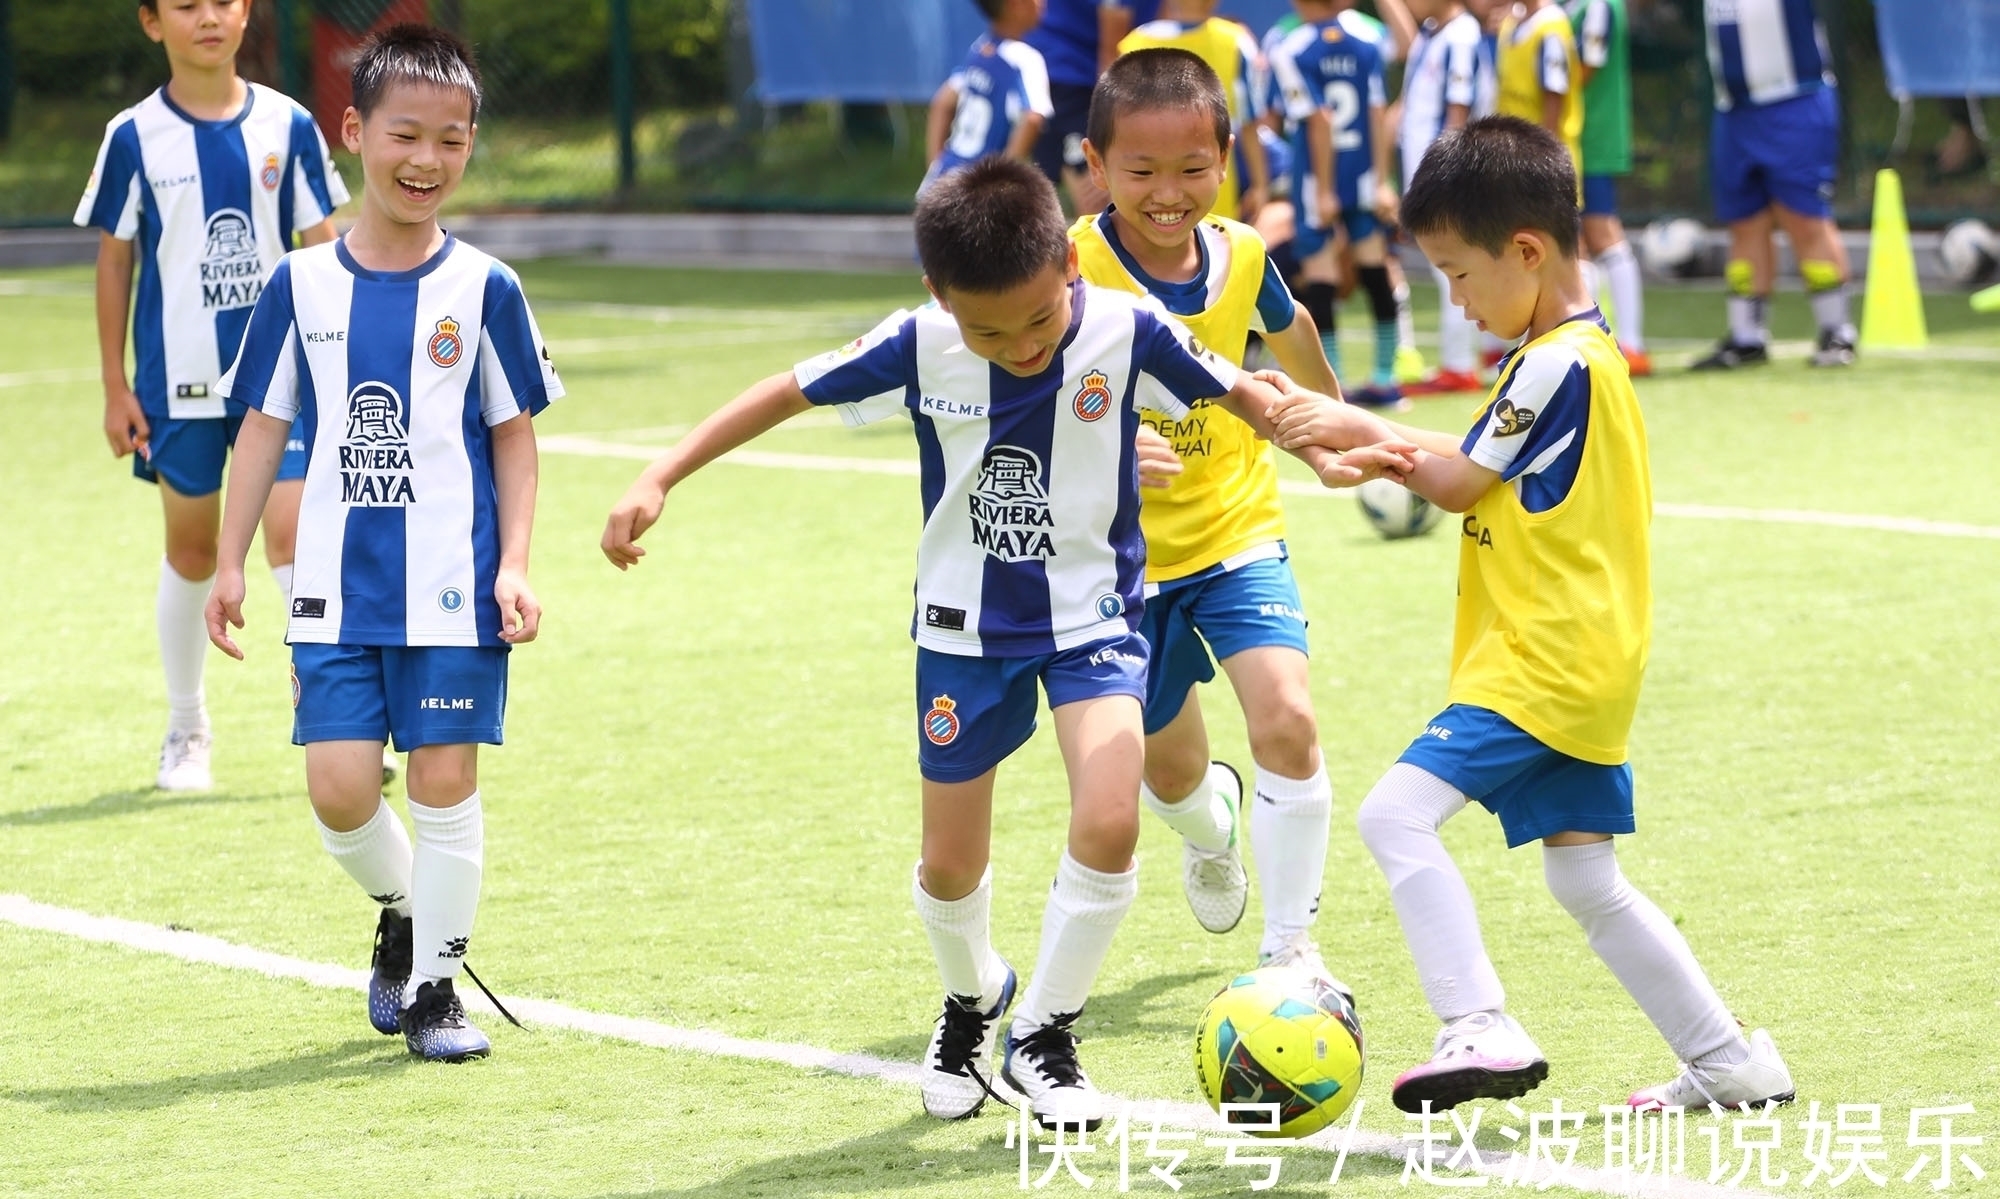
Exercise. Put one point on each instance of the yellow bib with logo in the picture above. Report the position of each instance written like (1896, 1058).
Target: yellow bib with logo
(1217, 42)
(1520, 68)
(1225, 501)
(1555, 609)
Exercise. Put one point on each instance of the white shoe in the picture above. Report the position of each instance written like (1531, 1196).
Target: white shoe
(391, 767)
(955, 1066)
(1217, 887)
(184, 761)
(1485, 1055)
(1753, 1083)
(1301, 952)
(1042, 1066)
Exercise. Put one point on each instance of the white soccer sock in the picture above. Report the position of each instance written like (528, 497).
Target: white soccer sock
(1628, 293)
(1644, 950)
(1406, 316)
(376, 855)
(1085, 908)
(183, 646)
(961, 939)
(1746, 321)
(1288, 830)
(1831, 312)
(283, 574)
(1454, 331)
(1202, 817)
(1399, 822)
(444, 887)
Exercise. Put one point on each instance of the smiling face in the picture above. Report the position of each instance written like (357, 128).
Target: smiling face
(1501, 291)
(1018, 329)
(1164, 169)
(413, 146)
(199, 34)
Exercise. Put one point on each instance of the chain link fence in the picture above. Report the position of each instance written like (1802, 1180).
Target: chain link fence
(669, 123)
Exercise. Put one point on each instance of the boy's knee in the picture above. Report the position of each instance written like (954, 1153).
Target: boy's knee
(1175, 771)
(1106, 833)
(1284, 738)
(948, 877)
(193, 561)
(443, 775)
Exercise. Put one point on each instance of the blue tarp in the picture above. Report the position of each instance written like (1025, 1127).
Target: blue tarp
(1940, 47)
(883, 50)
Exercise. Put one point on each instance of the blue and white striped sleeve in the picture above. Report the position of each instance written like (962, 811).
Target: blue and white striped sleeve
(265, 375)
(516, 374)
(1276, 309)
(1171, 369)
(1536, 426)
(869, 378)
(317, 188)
(117, 184)
(1555, 64)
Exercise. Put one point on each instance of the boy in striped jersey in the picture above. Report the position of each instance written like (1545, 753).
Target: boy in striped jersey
(412, 365)
(1023, 386)
(204, 183)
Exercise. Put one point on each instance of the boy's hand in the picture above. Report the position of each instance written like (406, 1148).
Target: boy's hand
(1386, 203)
(1158, 464)
(1329, 215)
(1387, 460)
(638, 511)
(1306, 418)
(125, 424)
(520, 612)
(225, 608)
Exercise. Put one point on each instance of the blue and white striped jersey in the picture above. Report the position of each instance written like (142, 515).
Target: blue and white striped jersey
(394, 379)
(1320, 65)
(1000, 82)
(1764, 51)
(212, 204)
(1031, 540)
(1449, 65)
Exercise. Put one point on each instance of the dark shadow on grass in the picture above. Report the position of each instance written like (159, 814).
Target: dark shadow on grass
(125, 803)
(890, 1160)
(356, 1058)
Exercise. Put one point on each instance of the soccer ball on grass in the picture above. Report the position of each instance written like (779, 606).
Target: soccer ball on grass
(1285, 1036)
(1394, 511)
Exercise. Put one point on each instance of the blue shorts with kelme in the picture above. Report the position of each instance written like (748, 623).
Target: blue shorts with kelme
(416, 695)
(1600, 195)
(1786, 152)
(191, 454)
(973, 712)
(1534, 790)
(1218, 610)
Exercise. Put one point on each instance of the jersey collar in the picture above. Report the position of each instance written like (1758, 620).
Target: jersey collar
(242, 114)
(410, 276)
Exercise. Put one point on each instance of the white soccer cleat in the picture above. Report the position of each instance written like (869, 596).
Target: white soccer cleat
(956, 1066)
(1485, 1055)
(1042, 1066)
(1761, 1079)
(1217, 886)
(184, 761)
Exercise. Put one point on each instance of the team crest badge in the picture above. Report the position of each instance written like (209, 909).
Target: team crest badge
(941, 722)
(269, 175)
(445, 347)
(1510, 421)
(1093, 400)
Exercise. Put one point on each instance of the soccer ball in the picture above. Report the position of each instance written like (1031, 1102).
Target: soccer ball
(1285, 1036)
(1970, 251)
(1395, 511)
(1672, 249)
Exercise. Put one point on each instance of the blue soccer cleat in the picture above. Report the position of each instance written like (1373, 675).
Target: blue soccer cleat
(435, 1027)
(389, 972)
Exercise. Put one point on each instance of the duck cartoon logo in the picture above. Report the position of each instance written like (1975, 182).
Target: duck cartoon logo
(941, 722)
(1512, 421)
(445, 346)
(1093, 400)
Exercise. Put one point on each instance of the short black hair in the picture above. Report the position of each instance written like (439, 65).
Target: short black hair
(1491, 179)
(419, 54)
(990, 227)
(1153, 79)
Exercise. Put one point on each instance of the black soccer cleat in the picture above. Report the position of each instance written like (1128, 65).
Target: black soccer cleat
(435, 1027)
(389, 972)
(1729, 355)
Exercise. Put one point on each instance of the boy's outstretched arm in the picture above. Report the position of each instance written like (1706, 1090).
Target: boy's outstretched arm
(124, 422)
(762, 408)
(1298, 350)
(944, 109)
(516, 476)
(1438, 469)
(1373, 451)
(253, 465)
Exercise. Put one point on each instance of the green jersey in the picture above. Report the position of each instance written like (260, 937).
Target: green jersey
(1607, 103)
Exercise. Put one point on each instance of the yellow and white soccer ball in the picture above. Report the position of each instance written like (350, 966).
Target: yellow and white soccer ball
(1285, 1036)
(1394, 511)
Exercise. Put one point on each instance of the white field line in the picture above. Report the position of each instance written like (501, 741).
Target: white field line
(1343, 1140)
(592, 447)
(41, 378)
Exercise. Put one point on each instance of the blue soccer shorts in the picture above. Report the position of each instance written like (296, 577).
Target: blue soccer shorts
(1600, 195)
(191, 455)
(1356, 189)
(417, 694)
(973, 712)
(1224, 611)
(1534, 790)
(1786, 152)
